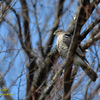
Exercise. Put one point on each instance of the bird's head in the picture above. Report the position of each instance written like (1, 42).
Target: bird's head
(59, 32)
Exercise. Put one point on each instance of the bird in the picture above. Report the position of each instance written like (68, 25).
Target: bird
(63, 42)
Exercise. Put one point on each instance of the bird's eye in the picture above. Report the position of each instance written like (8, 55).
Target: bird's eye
(58, 31)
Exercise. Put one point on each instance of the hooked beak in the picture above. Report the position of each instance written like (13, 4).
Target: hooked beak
(54, 33)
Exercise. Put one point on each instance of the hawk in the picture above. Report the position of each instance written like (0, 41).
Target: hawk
(63, 43)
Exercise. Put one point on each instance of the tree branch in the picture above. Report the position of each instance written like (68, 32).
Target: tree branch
(89, 28)
(91, 41)
(55, 25)
(43, 70)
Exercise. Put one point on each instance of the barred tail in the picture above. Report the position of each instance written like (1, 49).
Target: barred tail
(91, 74)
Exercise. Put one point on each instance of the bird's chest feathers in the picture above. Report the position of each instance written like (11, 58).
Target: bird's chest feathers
(59, 40)
(62, 48)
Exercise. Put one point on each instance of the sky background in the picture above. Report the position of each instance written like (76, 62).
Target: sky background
(16, 59)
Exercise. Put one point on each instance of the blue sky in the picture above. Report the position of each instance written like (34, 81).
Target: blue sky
(45, 8)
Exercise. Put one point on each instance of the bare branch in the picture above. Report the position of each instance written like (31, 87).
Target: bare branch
(40, 39)
(72, 50)
(94, 92)
(26, 27)
(81, 20)
(91, 41)
(89, 28)
(43, 70)
(55, 25)
(28, 42)
(51, 84)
